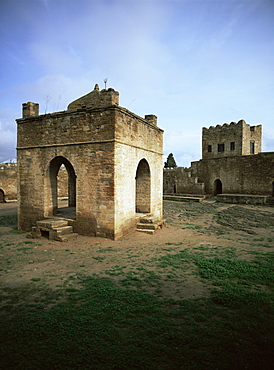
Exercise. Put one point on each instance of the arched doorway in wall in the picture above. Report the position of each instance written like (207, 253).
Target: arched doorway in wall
(143, 187)
(67, 210)
(2, 196)
(217, 187)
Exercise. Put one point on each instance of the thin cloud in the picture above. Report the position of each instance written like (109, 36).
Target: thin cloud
(192, 63)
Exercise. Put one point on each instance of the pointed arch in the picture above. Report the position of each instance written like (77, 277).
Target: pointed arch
(143, 187)
(2, 196)
(218, 187)
(52, 177)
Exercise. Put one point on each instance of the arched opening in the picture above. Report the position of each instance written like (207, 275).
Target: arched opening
(56, 167)
(2, 196)
(272, 188)
(143, 187)
(174, 189)
(217, 187)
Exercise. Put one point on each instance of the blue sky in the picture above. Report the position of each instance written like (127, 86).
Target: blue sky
(193, 63)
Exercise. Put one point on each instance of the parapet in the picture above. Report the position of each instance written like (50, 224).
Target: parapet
(96, 99)
(226, 125)
(30, 109)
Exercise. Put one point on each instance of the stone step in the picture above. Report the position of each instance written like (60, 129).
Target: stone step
(51, 223)
(149, 220)
(63, 230)
(147, 226)
(66, 237)
(147, 231)
(54, 229)
(151, 226)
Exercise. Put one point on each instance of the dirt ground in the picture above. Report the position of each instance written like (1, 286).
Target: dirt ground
(239, 228)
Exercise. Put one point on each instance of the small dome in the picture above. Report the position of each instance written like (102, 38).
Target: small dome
(96, 99)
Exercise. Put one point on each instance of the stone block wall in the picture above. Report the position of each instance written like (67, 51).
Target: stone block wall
(232, 139)
(252, 139)
(8, 181)
(238, 175)
(101, 148)
(231, 164)
(96, 98)
(179, 180)
(242, 199)
(62, 182)
(85, 139)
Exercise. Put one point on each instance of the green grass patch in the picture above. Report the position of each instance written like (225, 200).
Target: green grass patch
(99, 258)
(8, 220)
(192, 226)
(225, 271)
(15, 231)
(114, 323)
(104, 250)
(222, 268)
(103, 326)
(24, 249)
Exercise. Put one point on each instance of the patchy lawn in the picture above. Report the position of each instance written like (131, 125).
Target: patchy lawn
(196, 295)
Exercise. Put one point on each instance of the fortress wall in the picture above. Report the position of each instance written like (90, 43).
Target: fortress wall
(239, 175)
(232, 139)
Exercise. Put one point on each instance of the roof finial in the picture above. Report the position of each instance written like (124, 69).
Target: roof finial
(96, 87)
(105, 82)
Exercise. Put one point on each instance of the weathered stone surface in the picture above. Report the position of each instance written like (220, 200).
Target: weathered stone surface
(238, 175)
(113, 160)
(179, 180)
(236, 139)
(96, 98)
(242, 198)
(8, 181)
(150, 224)
(232, 171)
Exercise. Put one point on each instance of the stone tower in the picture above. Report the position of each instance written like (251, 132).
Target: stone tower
(232, 139)
(113, 160)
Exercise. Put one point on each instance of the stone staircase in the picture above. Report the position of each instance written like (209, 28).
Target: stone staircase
(149, 224)
(54, 229)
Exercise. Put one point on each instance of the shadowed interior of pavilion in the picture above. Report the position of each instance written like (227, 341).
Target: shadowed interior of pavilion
(64, 211)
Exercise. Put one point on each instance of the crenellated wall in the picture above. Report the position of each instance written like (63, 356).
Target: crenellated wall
(233, 170)
(231, 140)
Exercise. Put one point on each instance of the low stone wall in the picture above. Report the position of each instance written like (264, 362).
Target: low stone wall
(250, 174)
(8, 180)
(183, 197)
(179, 180)
(242, 198)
